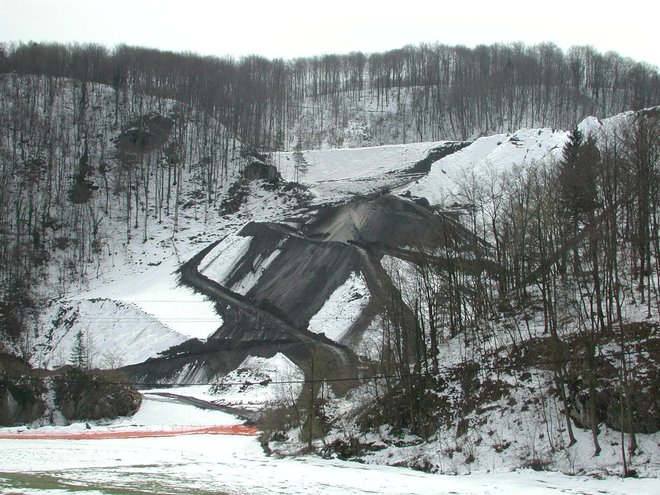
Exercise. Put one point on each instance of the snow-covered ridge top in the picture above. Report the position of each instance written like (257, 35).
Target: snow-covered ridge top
(341, 173)
(611, 125)
(488, 157)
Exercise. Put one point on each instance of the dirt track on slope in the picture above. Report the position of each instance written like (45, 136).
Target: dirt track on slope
(247, 321)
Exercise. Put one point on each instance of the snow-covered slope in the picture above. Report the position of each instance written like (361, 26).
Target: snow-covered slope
(296, 262)
(114, 334)
(259, 383)
(112, 260)
(489, 157)
(342, 308)
(335, 175)
(485, 160)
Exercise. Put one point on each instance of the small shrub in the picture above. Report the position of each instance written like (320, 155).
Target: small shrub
(537, 464)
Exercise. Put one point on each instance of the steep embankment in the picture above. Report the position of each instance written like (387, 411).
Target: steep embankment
(269, 280)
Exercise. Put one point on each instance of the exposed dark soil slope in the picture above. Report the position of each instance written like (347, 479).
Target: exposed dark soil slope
(308, 266)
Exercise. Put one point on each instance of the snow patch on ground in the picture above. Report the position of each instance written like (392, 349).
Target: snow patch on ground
(338, 174)
(165, 411)
(251, 279)
(257, 383)
(156, 291)
(220, 261)
(131, 313)
(355, 163)
(114, 334)
(190, 373)
(485, 160)
(260, 382)
(342, 308)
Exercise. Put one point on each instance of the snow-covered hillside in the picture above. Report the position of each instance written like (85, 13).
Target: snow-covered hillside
(114, 234)
(305, 268)
(486, 159)
(336, 175)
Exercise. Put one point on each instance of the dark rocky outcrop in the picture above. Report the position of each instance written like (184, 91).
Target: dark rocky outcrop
(144, 134)
(20, 392)
(257, 170)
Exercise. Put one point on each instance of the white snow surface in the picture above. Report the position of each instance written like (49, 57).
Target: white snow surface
(114, 334)
(338, 174)
(260, 382)
(220, 261)
(486, 158)
(490, 156)
(165, 411)
(237, 464)
(342, 308)
(250, 280)
(132, 315)
(354, 163)
(255, 384)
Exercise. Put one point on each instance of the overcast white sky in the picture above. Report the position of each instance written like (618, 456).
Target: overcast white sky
(291, 28)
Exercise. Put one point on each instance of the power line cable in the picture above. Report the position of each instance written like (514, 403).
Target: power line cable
(464, 367)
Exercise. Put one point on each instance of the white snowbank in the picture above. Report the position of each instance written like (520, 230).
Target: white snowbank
(256, 383)
(485, 159)
(260, 382)
(251, 279)
(157, 292)
(219, 263)
(114, 334)
(164, 411)
(342, 308)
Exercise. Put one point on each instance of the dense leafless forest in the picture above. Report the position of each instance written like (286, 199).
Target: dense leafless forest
(428, 92)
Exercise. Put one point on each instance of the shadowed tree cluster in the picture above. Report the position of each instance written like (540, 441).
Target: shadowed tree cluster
(574, 241)
(426, 92)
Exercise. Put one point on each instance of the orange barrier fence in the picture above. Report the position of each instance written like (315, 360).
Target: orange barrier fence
(93, 434)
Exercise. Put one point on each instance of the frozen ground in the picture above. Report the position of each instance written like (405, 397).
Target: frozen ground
(204, 464)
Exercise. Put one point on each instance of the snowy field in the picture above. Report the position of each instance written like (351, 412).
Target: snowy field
(205, 464)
